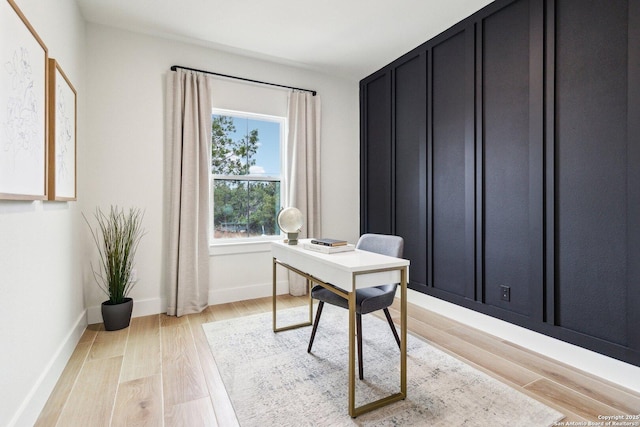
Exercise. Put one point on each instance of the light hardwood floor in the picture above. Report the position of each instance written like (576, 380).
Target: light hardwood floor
(159, 371)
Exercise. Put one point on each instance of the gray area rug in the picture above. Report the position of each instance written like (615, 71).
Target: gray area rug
(273, 381)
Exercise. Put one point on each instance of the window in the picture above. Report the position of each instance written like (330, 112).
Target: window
(246, 174)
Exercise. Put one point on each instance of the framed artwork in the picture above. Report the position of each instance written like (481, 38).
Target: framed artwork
(62, 134)
(23, 107)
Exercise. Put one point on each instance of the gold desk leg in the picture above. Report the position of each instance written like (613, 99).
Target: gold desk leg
(275, 308)
(352, 351)
(309, 287)
(353, 411)
(403, 332)
(273, 295)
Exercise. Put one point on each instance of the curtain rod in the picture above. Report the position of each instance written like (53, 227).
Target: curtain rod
(174, 67)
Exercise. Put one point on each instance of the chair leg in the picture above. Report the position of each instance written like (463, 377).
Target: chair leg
(315, 325)
(359, 333)
(393, 327)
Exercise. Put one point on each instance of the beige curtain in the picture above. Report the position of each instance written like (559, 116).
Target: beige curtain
(188, 132)
(302, 169)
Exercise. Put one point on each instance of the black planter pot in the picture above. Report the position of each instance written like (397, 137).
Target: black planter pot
(117, 316)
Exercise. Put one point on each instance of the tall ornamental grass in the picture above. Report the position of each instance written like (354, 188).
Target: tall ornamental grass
(117, 237)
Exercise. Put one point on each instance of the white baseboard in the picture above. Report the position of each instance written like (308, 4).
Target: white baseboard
(221, 296)
(28, 412)
(216, 296)
(141, 307)
(589, 361)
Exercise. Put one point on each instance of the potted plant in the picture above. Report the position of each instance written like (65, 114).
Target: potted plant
(117, 237)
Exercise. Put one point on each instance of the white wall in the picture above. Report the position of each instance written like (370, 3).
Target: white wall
(125, 150)
(43, 312)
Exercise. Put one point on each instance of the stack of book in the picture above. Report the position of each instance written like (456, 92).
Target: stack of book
(329, 246)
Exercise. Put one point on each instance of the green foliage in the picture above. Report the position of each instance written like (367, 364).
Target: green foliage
(229, 156)
(264, 200)
(252, 205)
(117, 237)
(245, 207)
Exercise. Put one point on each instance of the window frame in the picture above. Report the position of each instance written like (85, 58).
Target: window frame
(256, 178)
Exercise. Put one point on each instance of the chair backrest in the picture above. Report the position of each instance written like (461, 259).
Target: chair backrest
(382, 244)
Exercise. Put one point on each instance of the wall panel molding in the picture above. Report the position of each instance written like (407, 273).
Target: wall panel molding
(531, 160)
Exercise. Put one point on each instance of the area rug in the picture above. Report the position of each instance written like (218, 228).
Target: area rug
(273, 381)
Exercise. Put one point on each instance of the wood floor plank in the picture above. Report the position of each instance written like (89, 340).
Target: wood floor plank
(265, 304)
(570, 377)
(249, 307)
(166, 321)
(108, 344)
(201, 318)
(429, 317)
(220, 400)
(287, 301)
(89, 334)
(182, 377)
(224, 311)
(143, 356)
(577, 403)
(196, 413)
(58, 398)
(139, 402)
(92, 398)
(595, 387)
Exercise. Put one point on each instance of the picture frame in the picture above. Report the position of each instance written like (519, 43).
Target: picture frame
(23, 107)
(62, 135)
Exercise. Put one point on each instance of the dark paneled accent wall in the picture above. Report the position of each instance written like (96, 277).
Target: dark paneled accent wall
(410, 104)
(506, 151)
(448, 165)
(512, 156)
(376, 189)
(591, 168)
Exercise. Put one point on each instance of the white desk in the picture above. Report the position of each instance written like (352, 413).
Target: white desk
(348, 271)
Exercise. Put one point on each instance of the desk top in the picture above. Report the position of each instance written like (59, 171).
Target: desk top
(338, 268)
(352, 261)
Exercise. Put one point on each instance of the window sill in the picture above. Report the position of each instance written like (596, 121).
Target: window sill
(242, 246)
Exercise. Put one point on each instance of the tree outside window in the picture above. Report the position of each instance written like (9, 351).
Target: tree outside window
(245, 164)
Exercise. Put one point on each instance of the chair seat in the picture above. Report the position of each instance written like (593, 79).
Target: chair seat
(367, 299)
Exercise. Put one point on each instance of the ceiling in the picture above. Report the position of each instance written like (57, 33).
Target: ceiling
(350, 38)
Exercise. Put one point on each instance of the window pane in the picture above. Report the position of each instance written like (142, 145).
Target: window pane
(267, 157)
(264, 204)
(245, 208)
(245, 144)
(230, 208)
(226, 148)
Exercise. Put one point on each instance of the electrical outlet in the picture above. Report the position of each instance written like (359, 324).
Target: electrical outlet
(505, 293)
(134, 275)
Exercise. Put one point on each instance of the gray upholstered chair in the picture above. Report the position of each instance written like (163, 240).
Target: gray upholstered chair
(367, 299)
